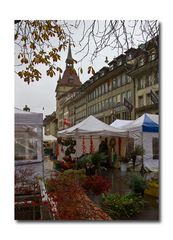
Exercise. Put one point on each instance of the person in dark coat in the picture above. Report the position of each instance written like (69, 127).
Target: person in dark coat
(103, 148)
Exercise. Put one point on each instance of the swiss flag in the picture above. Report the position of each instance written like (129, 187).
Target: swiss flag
(66, 122)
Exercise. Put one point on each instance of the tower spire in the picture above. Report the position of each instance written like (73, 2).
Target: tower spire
(69, 60)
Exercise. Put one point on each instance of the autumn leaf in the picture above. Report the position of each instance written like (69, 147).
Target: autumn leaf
(81, 70)
(59, 69)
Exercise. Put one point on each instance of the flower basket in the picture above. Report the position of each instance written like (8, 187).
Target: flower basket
(152, 190)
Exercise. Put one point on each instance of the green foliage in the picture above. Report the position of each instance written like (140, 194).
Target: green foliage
(94, 158)
(98, 158)
(137, 183)
(119, 207)
(35, 47)
(138, 151)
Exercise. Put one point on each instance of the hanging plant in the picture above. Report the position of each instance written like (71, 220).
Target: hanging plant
(73, 142)
(73, 150)
(67, 152)
(112, 142)
(59, 140)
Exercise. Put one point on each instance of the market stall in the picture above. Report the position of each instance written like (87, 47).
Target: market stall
(88, 134)
(145, 131)
(28, 142)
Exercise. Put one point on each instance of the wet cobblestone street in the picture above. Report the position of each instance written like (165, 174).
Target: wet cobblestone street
(120, 185)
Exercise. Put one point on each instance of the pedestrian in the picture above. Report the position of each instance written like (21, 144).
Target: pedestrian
(103, 148)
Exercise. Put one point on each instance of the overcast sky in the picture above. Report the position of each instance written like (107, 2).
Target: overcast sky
(41, 94)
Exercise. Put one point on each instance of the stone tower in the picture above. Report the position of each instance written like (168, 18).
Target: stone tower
(66, 85)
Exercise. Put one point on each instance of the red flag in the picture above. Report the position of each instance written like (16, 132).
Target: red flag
(66, 122)
(91, 145)
(83, 145)
(57, 150)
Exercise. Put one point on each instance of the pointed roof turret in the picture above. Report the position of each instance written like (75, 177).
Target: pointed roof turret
(69, 60)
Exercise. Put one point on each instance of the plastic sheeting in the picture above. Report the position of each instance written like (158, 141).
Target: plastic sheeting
(29, 141)
(24, 118)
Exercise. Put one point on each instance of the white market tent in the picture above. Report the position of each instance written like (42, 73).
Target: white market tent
(143, 130)
(49, 138)
(28, 141)
(92, 126)
(118, 123)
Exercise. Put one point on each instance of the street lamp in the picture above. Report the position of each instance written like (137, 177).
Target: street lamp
(26, 108)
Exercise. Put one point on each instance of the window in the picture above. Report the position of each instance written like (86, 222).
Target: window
(102, 105)
(106, 104)
(129, 95)
(148, 99)
(114, 83)
(103, 89)
(118, 97)
(99, 107)
(150, 79)
(141, 83)
(88, 111)
(99, 91)
(111, 67)
(141, 62)
(129, 79)
(110, 85)
(102, 74)
(70, 79)
(119, 81)
(155, 148)
(119, 63)
(123, 79)
(110, 102)
(96, 92)
(106, 87)
(26, 142)
(129, 57)
(152, 56)
(96, 108)
(114, 100)
(140, 101)
(123, 95)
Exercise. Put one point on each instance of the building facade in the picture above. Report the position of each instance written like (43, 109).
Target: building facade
(50, 124)
(124, 89)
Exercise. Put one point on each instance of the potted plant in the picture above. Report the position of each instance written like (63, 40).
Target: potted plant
(137, 184)
(137, 151)
(123, 163)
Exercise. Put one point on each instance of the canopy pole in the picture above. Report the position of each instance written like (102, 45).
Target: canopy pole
(142, 167)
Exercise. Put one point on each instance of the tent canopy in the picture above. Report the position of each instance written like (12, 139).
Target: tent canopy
(118, 123)
(145, 123)
(92, 126)
(49, 138)
(28, 118)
